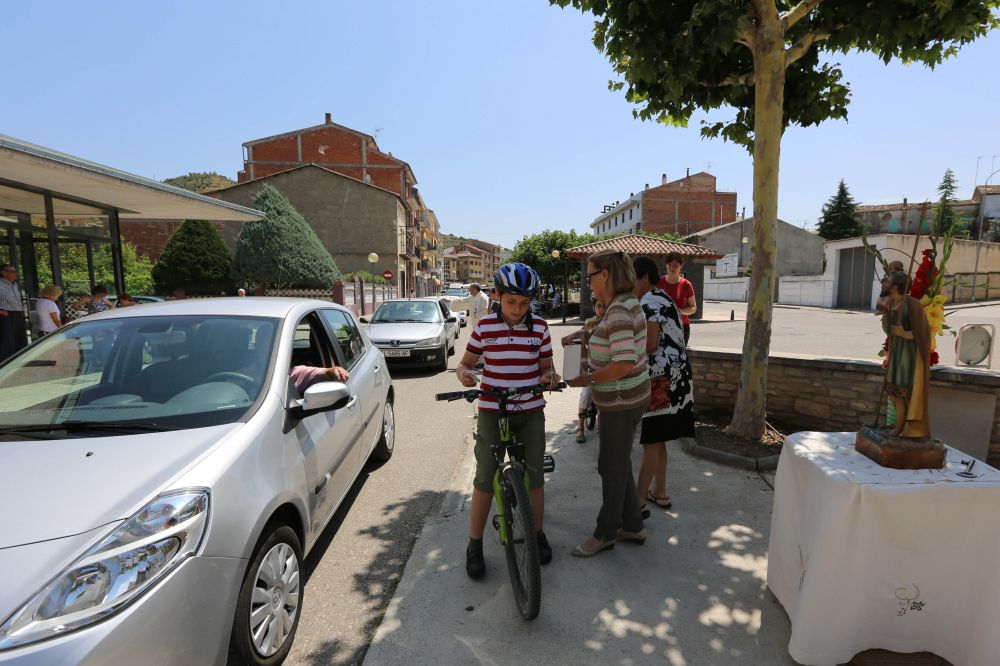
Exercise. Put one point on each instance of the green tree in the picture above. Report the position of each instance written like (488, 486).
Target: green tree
(536, 251)
(761, 59)
(281, 250)
(201, 181)
(194, 259)
(946, 220)
(840, 216)
(76, 278)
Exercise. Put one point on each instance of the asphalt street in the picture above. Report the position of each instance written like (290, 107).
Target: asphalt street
(352, 572)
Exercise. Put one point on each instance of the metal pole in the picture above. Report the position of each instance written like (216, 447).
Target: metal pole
(565, 285)
(979, 233)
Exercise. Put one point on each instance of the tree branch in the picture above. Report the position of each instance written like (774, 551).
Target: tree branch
(745, 79)
(798, 12)
(801, 47)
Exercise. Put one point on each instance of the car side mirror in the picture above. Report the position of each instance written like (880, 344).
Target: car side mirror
(364, 319)
(323, 396)
(452, 319)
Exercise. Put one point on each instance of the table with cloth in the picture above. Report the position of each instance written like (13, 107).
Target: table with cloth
(863, 556)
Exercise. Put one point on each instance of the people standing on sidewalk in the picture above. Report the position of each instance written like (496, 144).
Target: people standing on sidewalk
(13, 334)
(670, 413)
(97, 301)
(620, 381)
(679, 289)
(49, 318)
(479, 305)
(517, 348)
(586, 395)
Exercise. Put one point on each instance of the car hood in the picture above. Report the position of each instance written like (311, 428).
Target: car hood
(61, 487)
(409, 331)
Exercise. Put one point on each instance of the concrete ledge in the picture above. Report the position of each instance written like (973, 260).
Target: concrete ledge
(765, 464)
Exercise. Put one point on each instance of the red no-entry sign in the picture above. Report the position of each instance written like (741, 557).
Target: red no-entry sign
(387, 275)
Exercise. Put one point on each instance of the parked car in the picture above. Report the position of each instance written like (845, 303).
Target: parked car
(457, 298)
(413, 331)
(453, 327)
(139, 300)
(164, 479)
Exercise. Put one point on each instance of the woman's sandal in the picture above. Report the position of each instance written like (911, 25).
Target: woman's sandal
(662, 502)
(580, 437)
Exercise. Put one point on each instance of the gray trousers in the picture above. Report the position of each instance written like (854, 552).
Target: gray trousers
(620, 507)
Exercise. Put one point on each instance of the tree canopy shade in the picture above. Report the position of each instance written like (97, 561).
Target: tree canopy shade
(762, 60)
(281, 250)
(840, 216)
(194, 259)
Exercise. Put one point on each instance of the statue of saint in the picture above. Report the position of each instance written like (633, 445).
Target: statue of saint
(907, 374)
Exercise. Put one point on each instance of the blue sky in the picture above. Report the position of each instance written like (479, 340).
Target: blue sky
(501, 108)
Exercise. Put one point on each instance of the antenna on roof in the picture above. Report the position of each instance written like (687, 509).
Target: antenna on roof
(708, 166)
(378, 130)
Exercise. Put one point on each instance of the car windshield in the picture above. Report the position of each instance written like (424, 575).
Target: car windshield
(461, 293)
(400, 311)
(166, 372)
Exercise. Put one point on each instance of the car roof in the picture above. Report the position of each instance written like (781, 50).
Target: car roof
(247, 306)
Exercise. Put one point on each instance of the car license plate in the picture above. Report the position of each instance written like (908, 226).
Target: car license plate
(395, 352)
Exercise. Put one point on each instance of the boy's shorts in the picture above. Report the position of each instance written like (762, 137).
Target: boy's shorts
(528, 428)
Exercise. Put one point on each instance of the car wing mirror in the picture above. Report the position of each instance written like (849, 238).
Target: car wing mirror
(364, 319)
(323, 396)
(452, 319)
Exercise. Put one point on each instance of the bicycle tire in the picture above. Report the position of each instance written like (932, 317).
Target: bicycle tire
(522, 545)
(591, 417)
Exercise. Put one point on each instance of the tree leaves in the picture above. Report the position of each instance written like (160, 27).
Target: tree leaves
(194, 259)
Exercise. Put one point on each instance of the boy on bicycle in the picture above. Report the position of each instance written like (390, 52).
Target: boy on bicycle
(517, 349)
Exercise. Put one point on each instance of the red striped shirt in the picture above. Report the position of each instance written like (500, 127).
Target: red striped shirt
(511, 356)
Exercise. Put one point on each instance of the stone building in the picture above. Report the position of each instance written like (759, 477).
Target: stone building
(682, 207)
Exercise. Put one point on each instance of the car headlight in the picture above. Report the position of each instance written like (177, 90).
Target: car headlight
(115, 571)
(436, 341)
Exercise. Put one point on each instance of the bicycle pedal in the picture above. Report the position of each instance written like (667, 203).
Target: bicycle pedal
(548, 464)
(496, 522)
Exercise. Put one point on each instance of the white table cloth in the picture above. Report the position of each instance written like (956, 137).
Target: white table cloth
(862, 556)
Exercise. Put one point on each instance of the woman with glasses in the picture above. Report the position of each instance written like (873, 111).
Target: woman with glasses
(619, 376)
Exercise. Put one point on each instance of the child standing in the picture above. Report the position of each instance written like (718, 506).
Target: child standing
(586, 396)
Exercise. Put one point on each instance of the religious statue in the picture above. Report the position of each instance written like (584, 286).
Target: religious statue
(907, 444)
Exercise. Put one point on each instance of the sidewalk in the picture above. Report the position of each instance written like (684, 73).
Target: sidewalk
(693, 594)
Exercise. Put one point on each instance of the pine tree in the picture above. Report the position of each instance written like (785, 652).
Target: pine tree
(840, 216)
(194, 259)
(281, 250)
(945, 218)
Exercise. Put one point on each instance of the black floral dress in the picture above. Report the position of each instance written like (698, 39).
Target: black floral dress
(671, 402)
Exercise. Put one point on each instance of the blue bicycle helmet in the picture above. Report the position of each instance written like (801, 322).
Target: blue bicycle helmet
(517, 278)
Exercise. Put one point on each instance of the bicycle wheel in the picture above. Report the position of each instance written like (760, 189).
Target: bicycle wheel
(522, 545)
(591, 417)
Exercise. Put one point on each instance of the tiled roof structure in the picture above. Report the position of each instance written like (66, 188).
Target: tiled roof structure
(636, 244)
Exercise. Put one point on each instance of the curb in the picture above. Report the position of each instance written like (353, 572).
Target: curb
(454, 501)
(766, 464)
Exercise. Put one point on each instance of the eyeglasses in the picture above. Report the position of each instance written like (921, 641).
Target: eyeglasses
(591, 275)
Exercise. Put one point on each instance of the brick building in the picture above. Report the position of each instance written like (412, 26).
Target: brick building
(467, 262)
(681, 207)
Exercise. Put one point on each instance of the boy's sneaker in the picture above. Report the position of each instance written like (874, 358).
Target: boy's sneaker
(475, 564)
(544, 549)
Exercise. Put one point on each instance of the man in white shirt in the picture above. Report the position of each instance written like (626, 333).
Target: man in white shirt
(480, 305)
(13, 335)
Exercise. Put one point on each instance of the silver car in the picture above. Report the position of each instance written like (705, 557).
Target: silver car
(413, 331)
(163, 478)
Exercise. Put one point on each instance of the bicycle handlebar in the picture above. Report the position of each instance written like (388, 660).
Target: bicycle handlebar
(499, 392)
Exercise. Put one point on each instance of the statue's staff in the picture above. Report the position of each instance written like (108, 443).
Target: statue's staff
(906, 294)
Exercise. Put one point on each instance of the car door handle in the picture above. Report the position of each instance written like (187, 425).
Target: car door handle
(353, 402)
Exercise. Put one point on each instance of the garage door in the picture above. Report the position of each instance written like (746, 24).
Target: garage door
(854, 284)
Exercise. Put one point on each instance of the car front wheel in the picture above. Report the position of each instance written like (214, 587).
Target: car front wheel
(267, 610)
(386, 443)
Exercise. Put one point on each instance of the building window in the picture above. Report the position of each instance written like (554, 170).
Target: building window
(630, 213)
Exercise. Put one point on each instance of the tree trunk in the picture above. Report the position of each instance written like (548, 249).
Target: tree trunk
(769, 94)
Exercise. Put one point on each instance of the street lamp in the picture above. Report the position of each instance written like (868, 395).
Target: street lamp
(372, 259)
(565, 303)
(979, 232)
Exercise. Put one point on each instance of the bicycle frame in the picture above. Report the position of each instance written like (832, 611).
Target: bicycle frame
(507, 446)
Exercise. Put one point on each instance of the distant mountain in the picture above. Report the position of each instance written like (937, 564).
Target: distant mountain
(201, 182)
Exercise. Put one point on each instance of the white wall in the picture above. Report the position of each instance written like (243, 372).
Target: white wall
(814, 290)
(725, 289)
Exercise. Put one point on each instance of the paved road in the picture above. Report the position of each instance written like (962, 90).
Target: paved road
(825, 332)
(353, 571)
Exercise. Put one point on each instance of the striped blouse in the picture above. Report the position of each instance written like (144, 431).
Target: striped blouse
(621, 337)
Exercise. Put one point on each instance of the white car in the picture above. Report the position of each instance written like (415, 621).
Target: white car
(457, 298)
(164, 479)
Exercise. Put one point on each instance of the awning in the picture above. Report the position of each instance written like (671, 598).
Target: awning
(30, 166)
(637, 244)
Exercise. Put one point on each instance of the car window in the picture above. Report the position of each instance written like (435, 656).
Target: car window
(347, 336)
(310, 345)
(406, 311)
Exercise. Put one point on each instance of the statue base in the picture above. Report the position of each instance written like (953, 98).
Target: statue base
(899, 452)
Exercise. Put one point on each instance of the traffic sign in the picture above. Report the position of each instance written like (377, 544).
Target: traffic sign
(387, 275)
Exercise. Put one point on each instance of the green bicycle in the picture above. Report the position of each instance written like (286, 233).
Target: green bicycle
(514, 519)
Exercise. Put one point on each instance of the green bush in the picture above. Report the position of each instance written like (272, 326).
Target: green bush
(281, 250)
(73, 263)
(194, 259)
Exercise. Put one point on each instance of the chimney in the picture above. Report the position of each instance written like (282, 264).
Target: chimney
(647, 186)
(688, 173)
(664, 179)
(328, 118)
